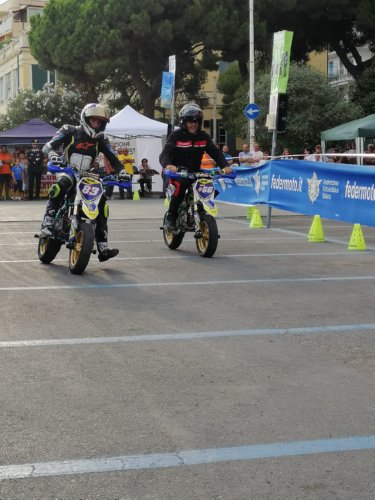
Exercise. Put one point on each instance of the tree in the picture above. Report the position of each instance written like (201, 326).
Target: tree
(55, 105)
(364, 94)
(313, 106)
(342, 25)
(122, 46)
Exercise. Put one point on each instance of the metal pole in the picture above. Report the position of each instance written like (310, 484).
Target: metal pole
(214, 135)
(273, 153)
(251, 70)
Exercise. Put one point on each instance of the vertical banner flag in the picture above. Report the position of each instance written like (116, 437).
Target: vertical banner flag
(282, 43)
(167, 86)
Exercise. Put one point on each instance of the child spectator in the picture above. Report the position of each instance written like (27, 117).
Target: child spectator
(18, 175)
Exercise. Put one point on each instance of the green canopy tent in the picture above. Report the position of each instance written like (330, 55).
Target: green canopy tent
(356, 129)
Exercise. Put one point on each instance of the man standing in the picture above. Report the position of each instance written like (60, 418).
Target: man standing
(35, 159)
(6, 161)
(245, 156)
(128, 161)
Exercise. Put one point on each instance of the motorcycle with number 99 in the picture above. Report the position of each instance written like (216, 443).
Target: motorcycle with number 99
(197, 211)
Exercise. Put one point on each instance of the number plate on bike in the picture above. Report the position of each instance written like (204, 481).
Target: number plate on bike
(205, 188)
(90, 188)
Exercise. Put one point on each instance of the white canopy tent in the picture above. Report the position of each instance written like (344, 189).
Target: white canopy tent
(131, 123)
(141, 135)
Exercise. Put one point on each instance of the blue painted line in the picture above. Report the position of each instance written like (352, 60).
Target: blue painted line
(157, 337)
(325, 279)
(187, 457)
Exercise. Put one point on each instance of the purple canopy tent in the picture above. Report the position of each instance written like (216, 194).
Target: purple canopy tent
(25, 133)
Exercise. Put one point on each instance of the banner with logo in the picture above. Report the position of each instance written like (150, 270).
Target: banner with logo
(167, 89)
(282, 43)
(331, 190)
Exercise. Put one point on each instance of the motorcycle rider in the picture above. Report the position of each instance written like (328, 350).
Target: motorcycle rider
(185, 148)
(81, 145)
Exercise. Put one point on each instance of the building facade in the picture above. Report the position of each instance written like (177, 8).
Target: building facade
(18, 69)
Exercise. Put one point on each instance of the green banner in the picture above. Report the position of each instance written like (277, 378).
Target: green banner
(282, 43)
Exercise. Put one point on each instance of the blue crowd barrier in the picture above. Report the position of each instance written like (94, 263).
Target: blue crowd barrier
(332, 190)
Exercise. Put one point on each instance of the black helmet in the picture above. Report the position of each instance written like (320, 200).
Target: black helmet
(191, 112)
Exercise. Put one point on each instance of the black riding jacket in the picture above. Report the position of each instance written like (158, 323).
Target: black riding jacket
(80, 150)
(186, 150)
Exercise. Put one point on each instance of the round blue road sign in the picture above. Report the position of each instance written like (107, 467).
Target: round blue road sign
(252, 111)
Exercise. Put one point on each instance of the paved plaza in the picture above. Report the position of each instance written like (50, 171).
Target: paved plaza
(164, 375)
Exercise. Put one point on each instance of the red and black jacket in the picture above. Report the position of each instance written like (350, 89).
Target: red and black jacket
(186, 150)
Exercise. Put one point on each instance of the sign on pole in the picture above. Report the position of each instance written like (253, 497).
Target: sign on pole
(167, 87)
(282, 43)
(252, 111)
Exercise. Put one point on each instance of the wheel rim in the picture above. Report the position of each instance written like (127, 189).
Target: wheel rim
(204, 240)
(43, 245)
(75, 253)
(168, 235)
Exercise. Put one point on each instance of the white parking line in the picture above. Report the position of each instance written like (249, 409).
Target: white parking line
(187, 457)
(156, 337)
(178, 284)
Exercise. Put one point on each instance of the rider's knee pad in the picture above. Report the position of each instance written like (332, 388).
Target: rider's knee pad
(54, 191)
(106, 210)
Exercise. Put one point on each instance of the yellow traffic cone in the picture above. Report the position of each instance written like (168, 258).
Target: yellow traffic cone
(357, 241)
(316, 233)
(256, 219)
(250, 212)
(136, 196)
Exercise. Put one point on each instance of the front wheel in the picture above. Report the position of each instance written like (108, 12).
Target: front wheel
(48, 248)
(207, 243)
(80, 255)
(171, 239)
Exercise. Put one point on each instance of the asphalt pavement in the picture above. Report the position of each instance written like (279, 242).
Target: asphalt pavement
(163, 375)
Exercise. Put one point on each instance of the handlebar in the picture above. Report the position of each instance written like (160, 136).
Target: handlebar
(213, 173)
(107, 181)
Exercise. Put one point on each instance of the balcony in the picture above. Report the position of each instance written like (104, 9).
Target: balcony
(6, 26)
(339, 76)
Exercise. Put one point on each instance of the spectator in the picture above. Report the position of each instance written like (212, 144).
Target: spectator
(145, 176)
(6, 161)
(369, 160)
(128, 161)
(256, 155)
(97, 169)
(350, 150)
(245, 156)
(35, 159)
(18, 175)
(286, 155)
(306, 153)
(265, 159)
(317, 155)
(226, 154)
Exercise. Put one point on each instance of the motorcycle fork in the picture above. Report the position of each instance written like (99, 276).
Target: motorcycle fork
(197, 219)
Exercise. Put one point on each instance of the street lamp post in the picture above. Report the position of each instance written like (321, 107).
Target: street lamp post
(251, 69)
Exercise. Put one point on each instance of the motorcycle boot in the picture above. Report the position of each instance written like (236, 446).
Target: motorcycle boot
(170, 222)
(106, 253)
(48, 222)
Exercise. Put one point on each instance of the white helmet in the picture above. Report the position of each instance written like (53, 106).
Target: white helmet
(94, 111)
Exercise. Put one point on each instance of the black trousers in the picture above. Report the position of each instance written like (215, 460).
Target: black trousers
(180, 189)
(35, 177)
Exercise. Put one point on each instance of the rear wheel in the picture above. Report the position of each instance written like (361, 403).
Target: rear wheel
(171, 239)
(48, 248)
(80, 255)
(207, 243)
